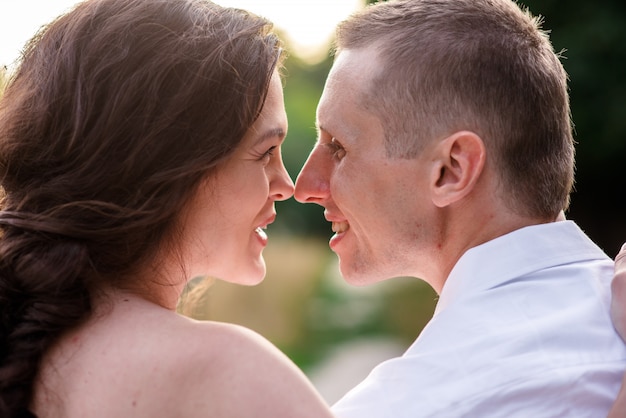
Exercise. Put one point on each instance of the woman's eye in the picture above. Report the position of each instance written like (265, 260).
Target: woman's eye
(267, 154)
(337, 149)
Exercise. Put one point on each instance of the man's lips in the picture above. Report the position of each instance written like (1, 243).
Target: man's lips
(339, 224)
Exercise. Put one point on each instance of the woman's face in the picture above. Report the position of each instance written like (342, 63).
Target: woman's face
(224, 230)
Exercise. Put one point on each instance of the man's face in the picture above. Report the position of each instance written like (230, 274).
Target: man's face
(379, 206)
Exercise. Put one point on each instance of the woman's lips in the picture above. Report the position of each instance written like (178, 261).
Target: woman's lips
(260, 230)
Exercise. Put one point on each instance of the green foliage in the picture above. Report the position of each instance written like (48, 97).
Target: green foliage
(339, 313)
(592, 37)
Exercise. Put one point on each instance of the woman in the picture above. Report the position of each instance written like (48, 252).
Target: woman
(139, 147)
(618, 314)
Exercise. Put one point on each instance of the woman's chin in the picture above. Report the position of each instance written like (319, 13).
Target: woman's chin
(250, 276)
(255, 276)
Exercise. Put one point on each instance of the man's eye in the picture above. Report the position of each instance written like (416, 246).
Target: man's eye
(337, 149)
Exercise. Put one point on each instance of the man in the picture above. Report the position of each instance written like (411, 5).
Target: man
(445, 152)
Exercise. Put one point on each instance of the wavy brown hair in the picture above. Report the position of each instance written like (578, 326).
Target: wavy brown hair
(117, 111)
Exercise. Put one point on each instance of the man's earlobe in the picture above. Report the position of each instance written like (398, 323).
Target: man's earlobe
(460, 159)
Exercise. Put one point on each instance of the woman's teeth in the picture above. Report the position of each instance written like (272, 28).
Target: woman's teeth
(261, 232)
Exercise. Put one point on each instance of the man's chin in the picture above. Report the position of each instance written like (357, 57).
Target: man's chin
(358, 276)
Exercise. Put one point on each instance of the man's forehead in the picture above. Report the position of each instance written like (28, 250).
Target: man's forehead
(360, 64)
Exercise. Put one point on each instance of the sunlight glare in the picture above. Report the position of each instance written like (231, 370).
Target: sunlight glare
(307, 24)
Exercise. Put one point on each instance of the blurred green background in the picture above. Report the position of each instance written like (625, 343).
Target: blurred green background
(305, 308)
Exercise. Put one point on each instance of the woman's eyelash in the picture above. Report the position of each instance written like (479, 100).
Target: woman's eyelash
(269, 152)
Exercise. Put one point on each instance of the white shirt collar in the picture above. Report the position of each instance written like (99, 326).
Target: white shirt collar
(516, 254)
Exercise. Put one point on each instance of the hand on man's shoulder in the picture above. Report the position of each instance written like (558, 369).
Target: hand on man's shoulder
(618, 288)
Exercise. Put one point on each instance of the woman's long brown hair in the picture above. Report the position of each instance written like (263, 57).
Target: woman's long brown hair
(116, 112)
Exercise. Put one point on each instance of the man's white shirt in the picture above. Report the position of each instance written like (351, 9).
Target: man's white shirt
(521, 329)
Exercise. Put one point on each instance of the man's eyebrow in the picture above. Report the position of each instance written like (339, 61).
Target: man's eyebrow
(269, 134)
(325, 129)
(319, 128)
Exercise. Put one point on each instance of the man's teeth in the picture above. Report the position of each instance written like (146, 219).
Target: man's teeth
(339, 227)
(261, 232)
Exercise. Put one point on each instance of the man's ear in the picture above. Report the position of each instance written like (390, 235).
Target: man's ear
(459, 162)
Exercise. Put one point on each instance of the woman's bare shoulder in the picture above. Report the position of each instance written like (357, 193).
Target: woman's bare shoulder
(158, 363)
(165, 364)
(237, 372)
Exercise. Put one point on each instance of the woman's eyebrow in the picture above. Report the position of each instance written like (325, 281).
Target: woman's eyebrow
(269, 134)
